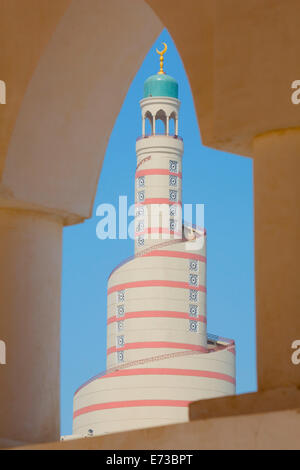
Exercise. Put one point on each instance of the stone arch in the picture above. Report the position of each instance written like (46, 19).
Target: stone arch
(72, 101)
(172, 123)
(77, 89)
(61, 113)
(148, 123)
(51, 169)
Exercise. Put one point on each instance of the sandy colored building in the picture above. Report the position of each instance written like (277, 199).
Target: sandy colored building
(241, 59)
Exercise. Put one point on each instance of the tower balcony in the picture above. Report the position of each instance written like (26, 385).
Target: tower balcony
(159, 135)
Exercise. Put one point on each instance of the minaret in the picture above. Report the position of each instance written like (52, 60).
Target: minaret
(159, 163)
(159, 356)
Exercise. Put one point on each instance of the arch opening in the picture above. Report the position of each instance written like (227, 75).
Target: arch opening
(161, 122)
(148, 124)
(172, 121)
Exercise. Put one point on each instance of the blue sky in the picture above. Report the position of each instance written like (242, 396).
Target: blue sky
(221, 181)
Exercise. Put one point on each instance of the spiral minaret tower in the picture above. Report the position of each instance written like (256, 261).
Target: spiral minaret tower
(159, 355)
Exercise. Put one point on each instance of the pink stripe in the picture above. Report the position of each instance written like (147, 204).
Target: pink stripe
(159, 230)
(175, 254)
(158, 200)
(169, 371)
(155, 283)
(157, 344)
(157, 314)
(157, 171)
(128, 404)
(184, 372)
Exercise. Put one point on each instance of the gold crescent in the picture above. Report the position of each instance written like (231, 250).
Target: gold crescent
(164, 49)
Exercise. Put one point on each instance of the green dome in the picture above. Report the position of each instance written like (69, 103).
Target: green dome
(161, 85)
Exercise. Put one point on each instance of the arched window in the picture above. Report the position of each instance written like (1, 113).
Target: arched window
(173, 124)
(172, 121)
(148, 123)
(160, 122)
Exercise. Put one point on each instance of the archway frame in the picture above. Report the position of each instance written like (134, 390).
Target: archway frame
(63, 78)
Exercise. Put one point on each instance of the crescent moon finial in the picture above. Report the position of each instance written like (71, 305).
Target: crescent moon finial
(161, 53)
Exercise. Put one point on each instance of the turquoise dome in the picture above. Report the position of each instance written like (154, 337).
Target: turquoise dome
(161, 85)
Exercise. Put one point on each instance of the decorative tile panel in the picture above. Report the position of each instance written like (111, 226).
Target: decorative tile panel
(193, 325)
(172, 180)
(194, 280)
(121, 295)
(173, 211)
(120, 310)
(141, 196)
(193, 265)
(140, 241)
(193, 295)
(141, 181)
(120, 341)
(173, 166)
(193, 310)
(173, 195)
(120, 355)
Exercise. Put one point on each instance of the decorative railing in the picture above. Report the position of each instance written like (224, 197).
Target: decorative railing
(161, 245)
(157, 134)
(219, 344)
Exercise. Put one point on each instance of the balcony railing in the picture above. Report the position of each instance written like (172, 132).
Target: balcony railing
(157, 134)
(215, 343)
